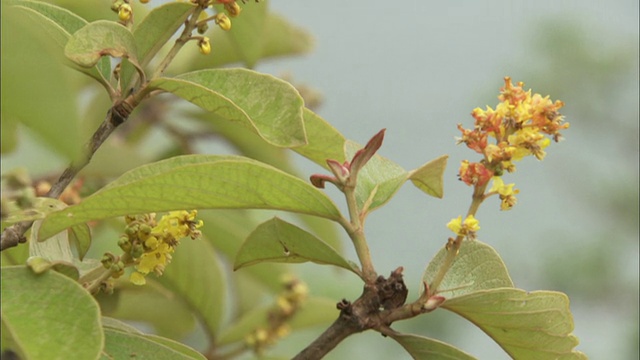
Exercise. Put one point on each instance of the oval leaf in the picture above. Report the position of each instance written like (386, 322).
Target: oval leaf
(323, 141)
(477, 267)
(429, 177)
(196, 182)
(48, 316)
(98, 39)
(527, 325)
(226, 230)
(124, 345)
(268, 106)
(279, 241)
(157, 28)
(140, 304)
(422, 348)
(196, 276)
(59, 24)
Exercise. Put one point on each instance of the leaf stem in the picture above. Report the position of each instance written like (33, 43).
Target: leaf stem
(189, 25)
(356, 233)
(453, 246)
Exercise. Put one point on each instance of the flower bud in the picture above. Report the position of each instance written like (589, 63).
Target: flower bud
(223, 21)
(232, 8)
(204, 45)
(124, 12)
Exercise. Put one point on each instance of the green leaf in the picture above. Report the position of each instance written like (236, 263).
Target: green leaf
(315, 311)
(246, 141)
(429, 177)
(246, 33)
(477, 267)
(323, 141)
(59, 24)
(422, 348)
(195, 182)
(268, 106)
(157, 28)
(53, 253)
(177, 346)
(38, 209)
(279, 241)
(227, 230)
(378, 180)
(36, 89)
(98, 39)
(196, 276)
(80, 236)
(141, 304)
(48, 316)
(527, 325)
(115, 324)
(123, 345)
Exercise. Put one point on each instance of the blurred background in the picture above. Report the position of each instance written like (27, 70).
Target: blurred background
(419, 68)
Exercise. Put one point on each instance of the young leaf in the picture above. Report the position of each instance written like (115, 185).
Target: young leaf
(98, 39)
(422, 348)
(196, 182)
(279, 241)
(124, 345)
(268, 106)
(527, 325)
(196, 276)
(429, 177)
(378, 180)
(48, 316)
(476, 267)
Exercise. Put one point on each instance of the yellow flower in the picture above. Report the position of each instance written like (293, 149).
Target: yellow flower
(137, 278)
(507, 193)
(468, 227)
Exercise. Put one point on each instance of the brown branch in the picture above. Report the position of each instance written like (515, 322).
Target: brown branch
(370, 311)
(118, 114)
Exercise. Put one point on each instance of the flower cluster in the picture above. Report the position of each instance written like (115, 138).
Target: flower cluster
(287, 304)
(521, 125)
(150, 243)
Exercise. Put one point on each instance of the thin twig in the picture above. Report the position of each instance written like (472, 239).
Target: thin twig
(14, 235)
